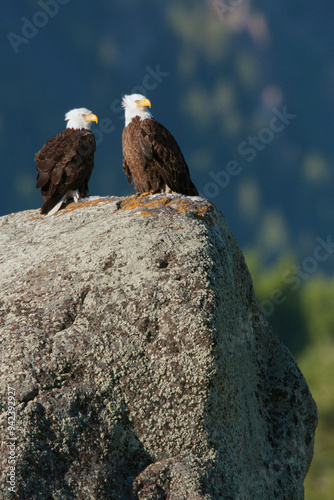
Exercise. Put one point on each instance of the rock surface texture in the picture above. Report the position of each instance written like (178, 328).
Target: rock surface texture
(141, 363)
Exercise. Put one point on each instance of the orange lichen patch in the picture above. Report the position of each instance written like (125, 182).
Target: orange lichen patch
(70, 207)
(204, 212)
(142, 201)
(79, 204)
(207, 215)
(144, 212)
(146, 194)
(145, 205)
(182, 206)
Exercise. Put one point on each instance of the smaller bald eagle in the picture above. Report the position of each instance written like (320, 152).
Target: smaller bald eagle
(152, 158)
(65, 163)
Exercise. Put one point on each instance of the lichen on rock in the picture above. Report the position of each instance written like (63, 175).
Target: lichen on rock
(142, 364)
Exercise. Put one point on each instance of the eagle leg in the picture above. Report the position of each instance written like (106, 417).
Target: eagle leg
(76, 195)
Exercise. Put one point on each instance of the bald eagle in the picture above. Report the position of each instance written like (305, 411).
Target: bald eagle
(152, 158)
(66, 161)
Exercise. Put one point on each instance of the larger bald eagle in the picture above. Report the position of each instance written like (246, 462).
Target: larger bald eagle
(65, 163)
(152, 158)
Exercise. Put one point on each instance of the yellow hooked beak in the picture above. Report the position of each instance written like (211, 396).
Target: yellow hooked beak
(144, 102)
(91, 118)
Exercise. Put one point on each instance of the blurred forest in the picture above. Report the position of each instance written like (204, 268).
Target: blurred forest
(246, 88)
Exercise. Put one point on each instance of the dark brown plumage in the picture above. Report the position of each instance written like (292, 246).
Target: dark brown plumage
(64, 164)
(153, 160)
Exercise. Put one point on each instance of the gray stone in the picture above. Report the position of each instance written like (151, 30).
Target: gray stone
(142, 364)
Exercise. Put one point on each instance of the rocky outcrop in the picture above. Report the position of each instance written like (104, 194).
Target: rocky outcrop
(138, 361)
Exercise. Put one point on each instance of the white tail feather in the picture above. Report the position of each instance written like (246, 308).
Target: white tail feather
(57, 207)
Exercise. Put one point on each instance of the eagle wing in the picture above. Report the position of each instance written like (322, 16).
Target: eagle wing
(65, 163)
(159, 147)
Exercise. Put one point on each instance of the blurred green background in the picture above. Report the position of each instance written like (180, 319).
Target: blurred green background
(246, 87)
